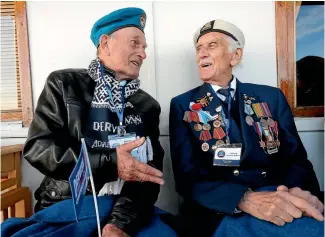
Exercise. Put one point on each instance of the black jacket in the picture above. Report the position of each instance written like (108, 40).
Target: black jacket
(53, 146)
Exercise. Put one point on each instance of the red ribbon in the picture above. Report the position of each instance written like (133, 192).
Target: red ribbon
(218, 133)
(205, 135)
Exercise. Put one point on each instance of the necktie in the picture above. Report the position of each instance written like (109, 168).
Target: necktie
(225, 93)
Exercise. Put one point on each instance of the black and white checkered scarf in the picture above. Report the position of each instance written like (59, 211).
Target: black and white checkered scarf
(101, 98)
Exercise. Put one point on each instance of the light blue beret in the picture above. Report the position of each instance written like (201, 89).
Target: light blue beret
(116, 20)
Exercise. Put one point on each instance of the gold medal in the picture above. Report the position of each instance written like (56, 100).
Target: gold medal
(219, 142)
(216, 124)
(205, 147)
(206, 127)
(197, 127)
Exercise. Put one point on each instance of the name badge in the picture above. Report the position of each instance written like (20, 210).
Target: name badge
(227, 155)
(116, 140)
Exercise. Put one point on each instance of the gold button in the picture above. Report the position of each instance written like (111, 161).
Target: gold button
(236, 172)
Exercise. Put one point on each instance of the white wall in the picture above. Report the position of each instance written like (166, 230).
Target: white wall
(59, 38)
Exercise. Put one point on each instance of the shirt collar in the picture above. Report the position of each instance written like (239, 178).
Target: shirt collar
(233, 85)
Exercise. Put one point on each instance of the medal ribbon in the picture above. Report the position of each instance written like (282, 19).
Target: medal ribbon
(205, 135)
(218, 133)
(258, 128)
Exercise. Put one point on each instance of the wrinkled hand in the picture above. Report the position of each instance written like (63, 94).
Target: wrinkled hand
(130, 169)
(278, 207)
(307, 196)
(111, 230)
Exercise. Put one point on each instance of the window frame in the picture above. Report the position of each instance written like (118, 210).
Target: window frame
(285, 22)
(26, 115)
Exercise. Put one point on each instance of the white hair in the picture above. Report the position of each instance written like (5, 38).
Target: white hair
(233, 45)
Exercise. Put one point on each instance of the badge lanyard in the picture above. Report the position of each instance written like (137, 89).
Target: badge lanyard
(223, 113)
(121, 128)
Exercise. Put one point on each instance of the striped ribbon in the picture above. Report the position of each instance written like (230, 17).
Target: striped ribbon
(257, 109)
(266, 110)
(276, 129)
(205, 135)
(195, 117)
(218, 133)
(187, 117)
(258, 128)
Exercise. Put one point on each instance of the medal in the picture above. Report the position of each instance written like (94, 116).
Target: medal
(271, 147)
(219, 142)
(262, 144)
(249, 120)
(271, 122)
(216, 124)
(197, 127)
(248, 110)
(205, 147)
(264, 124)
(206, 127)
(204, 101)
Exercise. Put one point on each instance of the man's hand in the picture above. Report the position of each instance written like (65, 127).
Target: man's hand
(111, 230)
(270, 206)
(305, 195)
(130, 169)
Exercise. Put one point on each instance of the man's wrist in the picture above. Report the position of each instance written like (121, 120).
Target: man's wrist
(242, 205)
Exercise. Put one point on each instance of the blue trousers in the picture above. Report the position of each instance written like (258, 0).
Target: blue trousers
(59, 220)
(249, 226)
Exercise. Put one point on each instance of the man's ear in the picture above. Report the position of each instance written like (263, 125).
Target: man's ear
(104, 44)
(237, 56)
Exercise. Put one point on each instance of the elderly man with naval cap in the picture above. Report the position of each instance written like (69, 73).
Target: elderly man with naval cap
(97, 104)
(237, 157)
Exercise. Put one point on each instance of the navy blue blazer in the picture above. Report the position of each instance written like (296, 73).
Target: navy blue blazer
(220, 188)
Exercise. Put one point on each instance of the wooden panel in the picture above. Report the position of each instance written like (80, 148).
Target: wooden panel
(11, 115)
(7, 163)
(5, 184)
(4, 214)
(285, 18)
(11, 197)
(285, 41)
(24, 63)
(12, 211)
(17, 173)
(11, 149)
(25, 112)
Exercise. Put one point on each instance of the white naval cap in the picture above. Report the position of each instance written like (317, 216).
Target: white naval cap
(221, 26)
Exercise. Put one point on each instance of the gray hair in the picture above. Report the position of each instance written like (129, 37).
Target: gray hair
(233, 45)
(111, 36)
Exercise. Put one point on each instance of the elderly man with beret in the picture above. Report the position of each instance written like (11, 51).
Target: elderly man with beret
(98, 104)
(237, 157)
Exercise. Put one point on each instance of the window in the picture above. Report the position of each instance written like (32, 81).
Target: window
(300, 55)
(16, 96)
